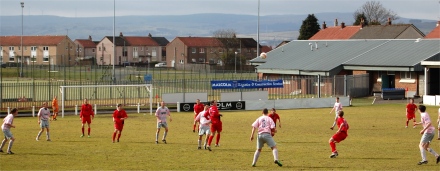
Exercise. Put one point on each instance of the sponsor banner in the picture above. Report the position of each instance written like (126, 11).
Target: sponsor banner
(246, 84)
(232, 105)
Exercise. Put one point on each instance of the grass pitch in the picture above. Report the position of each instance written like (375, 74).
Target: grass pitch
(377, 141)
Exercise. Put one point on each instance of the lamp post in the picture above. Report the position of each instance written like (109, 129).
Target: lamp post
(114, 43)
(258, 30)
(21, 41)
(235, 63)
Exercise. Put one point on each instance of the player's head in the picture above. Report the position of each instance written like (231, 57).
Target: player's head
(337, 99)
(341, 113)
(119, 106)
(411, 100)
(162, 103)
(44, 104)
(422, 108)
(198, 101)
(213, 103)
(206, 106)
(14, 111)
(265, 111)
(55, 97)
(86, 101)
(273, 110)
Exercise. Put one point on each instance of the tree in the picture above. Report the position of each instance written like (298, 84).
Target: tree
(229, 42)
(375, 13)
(359, 18)
(309, 27)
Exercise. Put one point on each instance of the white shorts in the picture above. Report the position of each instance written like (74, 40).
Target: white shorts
(427, 138)
(162, 124)
(8, 134)
(204, 129)
(265, 138)
(44, 124)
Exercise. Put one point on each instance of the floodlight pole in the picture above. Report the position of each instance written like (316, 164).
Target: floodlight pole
(258, 29)
(21, 41)
(114, 43)
(235, 64)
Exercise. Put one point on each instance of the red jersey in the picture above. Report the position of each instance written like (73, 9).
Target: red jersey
(345, 127)
(117, 115)
(198, 108)
(411, 108)
(274, 117)
(86, 111)
(214, 115)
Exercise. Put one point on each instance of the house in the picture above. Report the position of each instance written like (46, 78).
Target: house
(86, 49)
(131, 50)
(336, 32)
(37, 50)
(389, 31)
(435, 33)
(192, 52)
(390, 63)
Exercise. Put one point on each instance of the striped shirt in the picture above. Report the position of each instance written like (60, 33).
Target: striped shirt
(7, 122)
(44, 114)
(161, 114)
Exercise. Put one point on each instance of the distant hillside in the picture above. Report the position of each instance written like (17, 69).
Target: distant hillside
(273, 28)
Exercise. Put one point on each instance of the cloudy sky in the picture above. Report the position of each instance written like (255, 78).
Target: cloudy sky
(421, 9)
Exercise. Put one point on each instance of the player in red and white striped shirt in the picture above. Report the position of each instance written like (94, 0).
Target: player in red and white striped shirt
(203, 127)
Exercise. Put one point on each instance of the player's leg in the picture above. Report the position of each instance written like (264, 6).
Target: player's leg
(256, 155)
(157, 131)
(3, 143)
(213, 130)
(82, 127)
(39, 133)
(88, 127)
(165, 134)
(119, 132)
(114, 134)
(414, 121)
(47, 133)
(11, 141)
(271, 143)
(423, 148)
(199, 142)
(207, 133)
(217, 138)
(407, 121)
(332, 143)
(438, 132)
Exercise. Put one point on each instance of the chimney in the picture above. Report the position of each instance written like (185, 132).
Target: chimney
(336, 22)
(149, 35)
(90, 38)
(324, 26)
(438, 24)
(120, 34)
(362, 23)
(342, 25)
(389, 21)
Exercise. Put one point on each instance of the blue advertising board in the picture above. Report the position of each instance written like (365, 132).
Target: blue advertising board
(246, 84)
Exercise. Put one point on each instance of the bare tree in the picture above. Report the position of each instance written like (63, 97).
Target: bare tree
(229, 42)
(375, 13)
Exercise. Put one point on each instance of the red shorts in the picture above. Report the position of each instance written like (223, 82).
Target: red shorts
(119, 126)
(84, 120)
(216, 127)
(410, 116)
(55, 110)
(340, 136)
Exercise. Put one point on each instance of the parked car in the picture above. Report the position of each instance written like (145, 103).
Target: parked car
(161, 64)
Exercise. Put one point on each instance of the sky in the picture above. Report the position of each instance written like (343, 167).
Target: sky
(420, 9)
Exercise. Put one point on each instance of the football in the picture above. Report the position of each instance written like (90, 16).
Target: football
(263, 55)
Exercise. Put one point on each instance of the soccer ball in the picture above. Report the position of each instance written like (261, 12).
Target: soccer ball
(263, 55)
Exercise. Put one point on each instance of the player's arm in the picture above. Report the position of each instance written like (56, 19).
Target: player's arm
(424, 128)
(169, 114)
(340, 127)
(81, 112)
(252, 134)
(91, 111)
(39, 115)
(332, 110)
(279, 121)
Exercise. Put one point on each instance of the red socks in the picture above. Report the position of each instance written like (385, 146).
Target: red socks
(210, 140)
(333, 145)
(217, 138)
(113, 137)
(119, 136)
(194, 127)
(82, 130)
(407, 123)
(88, 131)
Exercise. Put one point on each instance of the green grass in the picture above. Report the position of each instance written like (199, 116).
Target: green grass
(377, 141)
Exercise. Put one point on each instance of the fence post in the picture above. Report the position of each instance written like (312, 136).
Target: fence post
(178, 107)
(96, 109)
(9, 110)
(76, 109)
(345, 85)
(139, 108)
(33, 111)
(319, 86)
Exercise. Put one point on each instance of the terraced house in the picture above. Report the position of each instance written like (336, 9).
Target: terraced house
(37, 50)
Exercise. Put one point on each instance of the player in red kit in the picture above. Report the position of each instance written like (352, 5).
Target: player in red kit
(198, 107)
(411, 113)
(274, 116)
(119, 116)
(86, 115)
(340, 135)
(216, 124)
